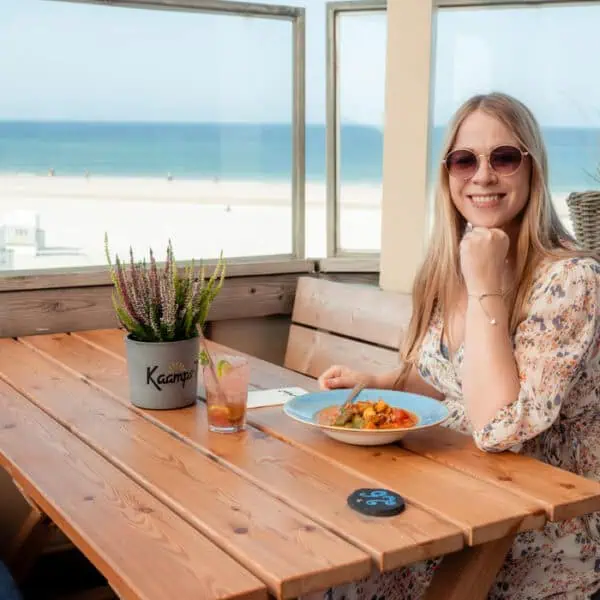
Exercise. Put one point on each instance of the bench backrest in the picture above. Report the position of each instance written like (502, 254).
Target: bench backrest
(357, 325)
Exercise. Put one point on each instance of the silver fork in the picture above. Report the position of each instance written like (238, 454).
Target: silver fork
(355, 392)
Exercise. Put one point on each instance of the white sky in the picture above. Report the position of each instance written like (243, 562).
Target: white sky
(62, 60)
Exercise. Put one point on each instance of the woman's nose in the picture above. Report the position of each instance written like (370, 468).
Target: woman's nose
(484, 174)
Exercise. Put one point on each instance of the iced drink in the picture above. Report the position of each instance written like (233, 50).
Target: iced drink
(226, 402)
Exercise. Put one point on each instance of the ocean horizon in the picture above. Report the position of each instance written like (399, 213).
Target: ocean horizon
(241, 151)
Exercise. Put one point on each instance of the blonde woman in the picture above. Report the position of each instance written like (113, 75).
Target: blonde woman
(505, 330)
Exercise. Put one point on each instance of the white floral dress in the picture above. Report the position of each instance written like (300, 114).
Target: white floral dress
(556, 419)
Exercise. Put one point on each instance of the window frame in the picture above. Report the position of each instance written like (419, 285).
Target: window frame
(506, 3)
(332, 123)
(82, 276)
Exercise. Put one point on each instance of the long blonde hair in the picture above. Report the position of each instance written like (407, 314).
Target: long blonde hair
(541, 236)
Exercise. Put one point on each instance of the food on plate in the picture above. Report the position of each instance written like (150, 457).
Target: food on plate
(367, 414)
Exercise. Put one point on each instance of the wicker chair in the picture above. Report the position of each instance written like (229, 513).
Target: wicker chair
(584, 210)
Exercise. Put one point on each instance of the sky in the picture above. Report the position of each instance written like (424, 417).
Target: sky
(67, 61)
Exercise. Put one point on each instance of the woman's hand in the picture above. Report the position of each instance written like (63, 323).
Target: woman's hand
(339, 376)
(483, 255)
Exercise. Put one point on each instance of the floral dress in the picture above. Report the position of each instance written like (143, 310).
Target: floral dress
(556, 419)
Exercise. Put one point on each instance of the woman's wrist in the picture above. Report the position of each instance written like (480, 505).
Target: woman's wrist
(490, 306)
(375, 381)
(385, 381)
(487, 285)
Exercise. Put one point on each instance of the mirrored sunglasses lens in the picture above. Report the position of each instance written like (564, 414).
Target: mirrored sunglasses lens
(505, 160)
(461, 163)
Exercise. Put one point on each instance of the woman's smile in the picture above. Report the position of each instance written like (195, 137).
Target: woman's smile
(486, 201)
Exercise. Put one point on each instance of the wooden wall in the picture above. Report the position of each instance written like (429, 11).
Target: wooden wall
(78, 301)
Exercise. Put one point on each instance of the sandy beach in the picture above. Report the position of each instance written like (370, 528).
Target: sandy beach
(241, 218)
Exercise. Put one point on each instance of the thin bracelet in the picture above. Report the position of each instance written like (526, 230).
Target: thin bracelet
(480, 297)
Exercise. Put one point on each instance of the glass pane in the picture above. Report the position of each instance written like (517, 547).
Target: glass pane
(547, 57)
(361, 69)
(315, 89)
(178, 128)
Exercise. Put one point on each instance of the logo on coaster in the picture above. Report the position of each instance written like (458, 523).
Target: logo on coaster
(376, 502)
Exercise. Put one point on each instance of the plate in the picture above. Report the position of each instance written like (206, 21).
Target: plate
(304, 409)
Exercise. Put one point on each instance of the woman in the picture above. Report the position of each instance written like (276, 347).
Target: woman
(506, 331)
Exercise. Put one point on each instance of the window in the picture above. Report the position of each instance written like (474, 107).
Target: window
(149, 125)
(547, 57)
(315, 149)
(349, 173)
(356, 105)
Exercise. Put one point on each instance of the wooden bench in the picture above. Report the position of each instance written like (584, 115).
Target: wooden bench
(357, 325)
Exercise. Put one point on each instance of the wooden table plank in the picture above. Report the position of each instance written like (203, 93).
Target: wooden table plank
(456, 497)
(110, 518)
(108, 340)
(291, 553)
(299, 478)
(464, 568)
(563, 494)
(482, 511)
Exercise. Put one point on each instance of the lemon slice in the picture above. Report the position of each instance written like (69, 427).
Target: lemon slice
(217, 411)
(203, 358)
(223, 367)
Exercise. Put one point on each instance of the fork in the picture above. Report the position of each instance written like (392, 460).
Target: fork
(354, 392)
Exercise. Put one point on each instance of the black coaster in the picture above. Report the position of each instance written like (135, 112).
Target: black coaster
(376, 502)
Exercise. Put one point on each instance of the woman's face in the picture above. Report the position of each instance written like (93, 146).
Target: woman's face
(488, 198)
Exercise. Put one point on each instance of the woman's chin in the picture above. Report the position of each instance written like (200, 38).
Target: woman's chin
(487, 221)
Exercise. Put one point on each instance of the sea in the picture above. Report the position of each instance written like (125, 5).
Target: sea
(242, 151)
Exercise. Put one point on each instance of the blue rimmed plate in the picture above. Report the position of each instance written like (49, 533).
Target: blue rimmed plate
(306, 407)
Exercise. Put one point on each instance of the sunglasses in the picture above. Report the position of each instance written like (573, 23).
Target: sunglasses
(503, 160)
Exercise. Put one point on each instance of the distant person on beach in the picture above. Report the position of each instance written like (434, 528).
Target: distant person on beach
(506, 332)
(50, 172)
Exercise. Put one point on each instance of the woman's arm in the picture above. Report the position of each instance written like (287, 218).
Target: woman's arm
(339, 376)
(555, 344)
(490, 379)
(414, 384)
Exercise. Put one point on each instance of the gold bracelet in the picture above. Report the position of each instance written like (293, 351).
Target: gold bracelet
(480, 297)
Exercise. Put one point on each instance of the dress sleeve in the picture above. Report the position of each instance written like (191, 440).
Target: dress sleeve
(552, 347)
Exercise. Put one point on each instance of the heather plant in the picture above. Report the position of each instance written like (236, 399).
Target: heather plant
(156, 304)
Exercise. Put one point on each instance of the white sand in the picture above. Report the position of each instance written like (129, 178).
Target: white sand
(201, 217)
(242, 218)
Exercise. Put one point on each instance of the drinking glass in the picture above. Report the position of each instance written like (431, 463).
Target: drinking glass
(227, 398)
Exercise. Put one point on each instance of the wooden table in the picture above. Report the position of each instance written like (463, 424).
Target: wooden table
(165, 509)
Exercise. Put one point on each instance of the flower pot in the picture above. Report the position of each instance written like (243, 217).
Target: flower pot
(162, 375)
